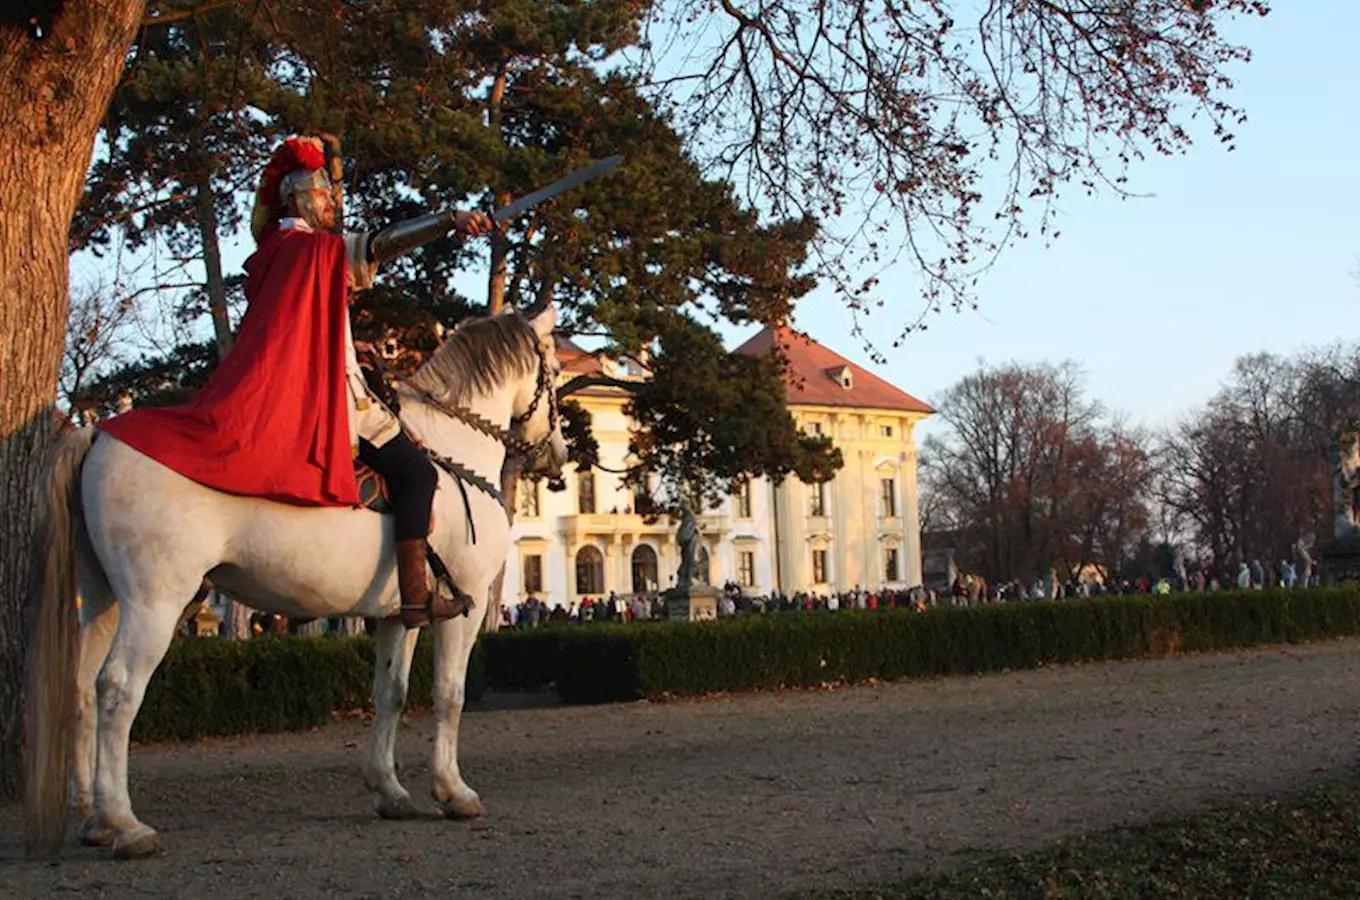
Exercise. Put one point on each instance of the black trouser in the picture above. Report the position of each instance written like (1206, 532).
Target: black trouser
(410, 477)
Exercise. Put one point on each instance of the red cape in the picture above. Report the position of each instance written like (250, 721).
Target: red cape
(273, 420)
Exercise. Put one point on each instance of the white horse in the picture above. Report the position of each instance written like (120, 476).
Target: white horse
(137, 538)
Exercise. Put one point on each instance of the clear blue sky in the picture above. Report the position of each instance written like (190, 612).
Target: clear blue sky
(1233, 253)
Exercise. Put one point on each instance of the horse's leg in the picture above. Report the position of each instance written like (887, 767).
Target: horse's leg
(453, 645)
(98, 622)
(391, 678)
(144, 632)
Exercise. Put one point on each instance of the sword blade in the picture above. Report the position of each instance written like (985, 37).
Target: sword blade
(580, 176)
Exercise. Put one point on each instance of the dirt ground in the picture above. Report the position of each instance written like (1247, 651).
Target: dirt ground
(743, 796)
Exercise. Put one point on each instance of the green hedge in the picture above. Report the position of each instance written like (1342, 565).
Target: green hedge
(620, 662)
(280, 683)
(276, 683)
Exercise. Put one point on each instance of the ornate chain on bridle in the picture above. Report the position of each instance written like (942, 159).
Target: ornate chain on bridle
(492, 430)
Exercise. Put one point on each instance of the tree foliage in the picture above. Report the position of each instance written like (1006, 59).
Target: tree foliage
(938, 131)
(1031, 475)
(708, 419)
(634, 259)
(1249, 474)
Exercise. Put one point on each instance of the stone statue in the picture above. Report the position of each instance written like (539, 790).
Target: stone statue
(1303, 567)
(687, 536)
(1346, 483)
(1179, 570)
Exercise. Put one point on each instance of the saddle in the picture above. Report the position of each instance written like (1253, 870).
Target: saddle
(373, 491)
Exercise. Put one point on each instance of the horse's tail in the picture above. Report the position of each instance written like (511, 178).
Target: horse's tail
(52, 655)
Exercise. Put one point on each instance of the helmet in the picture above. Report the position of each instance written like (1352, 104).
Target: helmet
(299, 164)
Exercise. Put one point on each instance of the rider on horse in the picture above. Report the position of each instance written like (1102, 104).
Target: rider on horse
(288, 408)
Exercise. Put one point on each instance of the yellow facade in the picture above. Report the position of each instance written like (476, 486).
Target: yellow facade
(868, 531)
(588, 541)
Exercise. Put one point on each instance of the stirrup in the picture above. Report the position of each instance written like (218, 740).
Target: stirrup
(437, 607)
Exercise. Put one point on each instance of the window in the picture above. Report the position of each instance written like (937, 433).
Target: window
(533, 574)
(890, 570)
(589, 571)
(644, 569)
(585, 492)
(885, 431)
(817, 498)
(819, 567)
(813, 428)
(744, 500)
(746, 568)
(703, 567)
(887, 495)
(528, 499)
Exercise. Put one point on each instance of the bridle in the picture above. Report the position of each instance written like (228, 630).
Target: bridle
(513, 444)
(544, 388)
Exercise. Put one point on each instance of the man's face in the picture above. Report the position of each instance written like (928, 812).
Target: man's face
(317, 207)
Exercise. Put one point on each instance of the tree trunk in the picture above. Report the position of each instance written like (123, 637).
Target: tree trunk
(495, 287)
(54, 90)
(236, 618)
(212, 261)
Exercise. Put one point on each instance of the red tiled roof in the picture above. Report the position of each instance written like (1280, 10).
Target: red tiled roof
(812, 370)
(574, 360)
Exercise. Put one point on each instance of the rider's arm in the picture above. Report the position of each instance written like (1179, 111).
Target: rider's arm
(366, 250)
(363, 271)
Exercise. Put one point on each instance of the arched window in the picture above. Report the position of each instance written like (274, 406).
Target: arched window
(644, 569)
(589, 571)
(703, 574)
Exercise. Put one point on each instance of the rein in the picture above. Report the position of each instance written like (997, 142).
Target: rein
(461, 473)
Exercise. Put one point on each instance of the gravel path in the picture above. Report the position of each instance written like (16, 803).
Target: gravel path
(744, 796)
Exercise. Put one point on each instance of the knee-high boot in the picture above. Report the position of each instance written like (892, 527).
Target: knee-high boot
(419, 604)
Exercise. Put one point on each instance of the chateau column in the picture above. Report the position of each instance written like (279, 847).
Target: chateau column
(868, 520)
(789, 534)
(911, 515)
(611, 567)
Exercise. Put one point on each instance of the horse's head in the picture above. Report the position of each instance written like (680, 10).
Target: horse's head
(536, 420)
(505, 360)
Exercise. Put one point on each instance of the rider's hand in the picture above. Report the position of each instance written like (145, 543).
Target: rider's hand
(473, 224)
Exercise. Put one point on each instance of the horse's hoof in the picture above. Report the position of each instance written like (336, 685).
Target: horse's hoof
(467, 806)
(92, 834)
(400, 808)
(137, 844)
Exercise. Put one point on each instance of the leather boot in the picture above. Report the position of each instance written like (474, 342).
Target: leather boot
(419, 604)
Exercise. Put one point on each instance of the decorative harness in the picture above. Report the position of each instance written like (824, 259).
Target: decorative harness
(462, 475)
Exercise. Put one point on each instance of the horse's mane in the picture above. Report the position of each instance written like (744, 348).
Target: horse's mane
(481, 353)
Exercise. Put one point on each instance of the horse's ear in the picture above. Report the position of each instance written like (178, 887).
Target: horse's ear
(546, 321)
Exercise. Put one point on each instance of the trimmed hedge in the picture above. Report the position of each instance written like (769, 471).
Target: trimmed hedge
(276, 683)
(623, 662)
(283, 683)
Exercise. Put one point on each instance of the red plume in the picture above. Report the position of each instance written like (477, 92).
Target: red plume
(293, 154)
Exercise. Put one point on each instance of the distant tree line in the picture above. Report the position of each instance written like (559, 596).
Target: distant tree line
(1032, 474)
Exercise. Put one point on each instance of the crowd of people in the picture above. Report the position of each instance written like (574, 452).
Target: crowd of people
(732, 600)
(965, 590)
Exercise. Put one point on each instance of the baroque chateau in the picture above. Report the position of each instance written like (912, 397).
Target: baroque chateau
(861, 529)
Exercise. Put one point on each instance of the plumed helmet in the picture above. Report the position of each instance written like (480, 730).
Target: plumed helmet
(298, 164)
